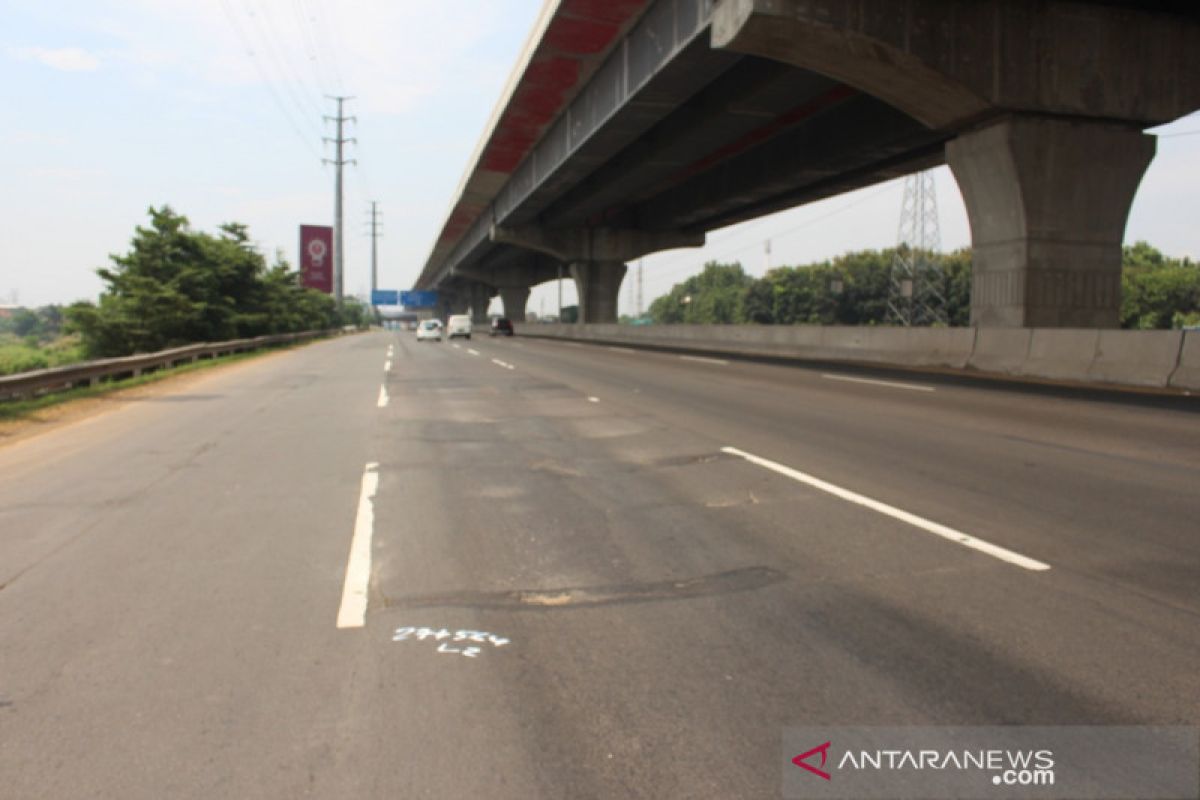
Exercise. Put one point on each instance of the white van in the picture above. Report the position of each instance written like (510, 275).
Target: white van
(458, 325)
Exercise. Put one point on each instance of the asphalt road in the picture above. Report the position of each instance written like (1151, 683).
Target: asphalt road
(516, 569)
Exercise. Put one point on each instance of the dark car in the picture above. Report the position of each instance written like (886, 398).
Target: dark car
(501, 327)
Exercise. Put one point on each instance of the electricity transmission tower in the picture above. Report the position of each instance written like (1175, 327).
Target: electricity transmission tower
(338, 161)
(915, 296)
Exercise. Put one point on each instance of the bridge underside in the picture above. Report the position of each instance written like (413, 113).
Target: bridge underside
(771, 104)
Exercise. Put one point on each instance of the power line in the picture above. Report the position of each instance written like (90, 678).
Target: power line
(309, 39)
(287, 58)
(280, 64)
(324, 25)
(266, 79)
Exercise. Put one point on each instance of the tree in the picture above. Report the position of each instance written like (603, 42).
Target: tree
(177, 286)
(1157, 291)
(712, 297)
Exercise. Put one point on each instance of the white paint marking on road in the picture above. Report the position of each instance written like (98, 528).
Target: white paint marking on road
(622, 350)
(593, 399)
(500, 363)
(457, 637)
(353, 610)
(995, 551)
(383, 397)
(704, 360)
(916, 387)
(472, 352)
(456, 346)
(387, 365)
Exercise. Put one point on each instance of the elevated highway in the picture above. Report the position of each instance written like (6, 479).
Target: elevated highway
(635, 126)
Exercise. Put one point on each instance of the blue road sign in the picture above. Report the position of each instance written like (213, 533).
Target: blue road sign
(419, 299)
(385, 297)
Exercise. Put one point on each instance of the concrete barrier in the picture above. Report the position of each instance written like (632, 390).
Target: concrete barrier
(1001, 350)
(1187, 373)
(1136, 358)
(1061, 354)
(1153, 359)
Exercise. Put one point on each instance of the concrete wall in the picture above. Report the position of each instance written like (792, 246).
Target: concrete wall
(1148, 359)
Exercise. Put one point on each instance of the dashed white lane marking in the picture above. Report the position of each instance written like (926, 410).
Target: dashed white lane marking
(383, 397)
(504, 364)
(353, 610)
(995, 551)
(472, 352)
(704, 360)
(387, 365)
(593, 399)
(916, 387)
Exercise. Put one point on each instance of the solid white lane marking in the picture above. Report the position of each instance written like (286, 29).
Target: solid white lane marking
(593, 399)
(704, 360)
(383, 397)
(916, 387)
(353, 610)
(472, 352)
(622, 350)
(995, 551)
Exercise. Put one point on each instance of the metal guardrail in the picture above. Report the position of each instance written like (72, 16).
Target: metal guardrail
(42, 381)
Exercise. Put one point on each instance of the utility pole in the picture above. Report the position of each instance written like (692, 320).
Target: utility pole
(338, 161)
(374, 234)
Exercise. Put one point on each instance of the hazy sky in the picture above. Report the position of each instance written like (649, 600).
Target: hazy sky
(214, 107)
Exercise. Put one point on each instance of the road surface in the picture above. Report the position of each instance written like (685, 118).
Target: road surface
(514, 569)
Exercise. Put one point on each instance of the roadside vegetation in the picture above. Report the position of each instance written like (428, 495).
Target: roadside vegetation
(175, 286)
(179, 286)
(34, 339)
(1158, 292)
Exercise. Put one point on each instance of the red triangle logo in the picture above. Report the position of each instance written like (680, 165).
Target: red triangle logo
(823, 749)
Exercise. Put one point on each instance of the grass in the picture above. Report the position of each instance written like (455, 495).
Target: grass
(22, 355)
(23, 408)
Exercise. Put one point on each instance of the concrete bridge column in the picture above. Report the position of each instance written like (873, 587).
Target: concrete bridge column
(514, 298)
(599, 286)
(1048, 200)
(480, 295)
(596, 257)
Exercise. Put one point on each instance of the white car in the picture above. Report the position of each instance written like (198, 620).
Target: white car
(458, 325)
(430, 329)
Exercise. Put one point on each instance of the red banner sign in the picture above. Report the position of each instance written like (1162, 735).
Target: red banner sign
(316, 257)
